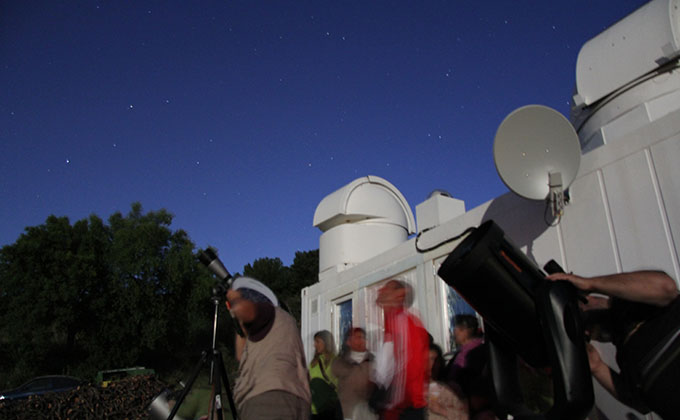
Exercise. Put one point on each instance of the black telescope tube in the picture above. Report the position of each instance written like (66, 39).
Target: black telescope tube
(209, 258)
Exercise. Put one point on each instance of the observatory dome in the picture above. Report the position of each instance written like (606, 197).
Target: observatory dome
(628, 76)
(361, 220)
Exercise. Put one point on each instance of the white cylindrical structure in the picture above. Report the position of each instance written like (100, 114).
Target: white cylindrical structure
(628, 76)
(361, 220)
(634, 46)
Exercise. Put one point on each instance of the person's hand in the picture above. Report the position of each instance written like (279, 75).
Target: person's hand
(595, 303)
(233, 300)
(594, 358)
(581, 283)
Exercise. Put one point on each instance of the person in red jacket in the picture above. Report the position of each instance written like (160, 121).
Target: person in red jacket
(405, 332)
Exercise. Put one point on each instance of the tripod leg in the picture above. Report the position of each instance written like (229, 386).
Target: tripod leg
(216, 400)
(225, 381)
(194, 375)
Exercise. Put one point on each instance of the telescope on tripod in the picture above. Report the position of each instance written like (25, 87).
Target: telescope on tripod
(527, 318)
(159, 408)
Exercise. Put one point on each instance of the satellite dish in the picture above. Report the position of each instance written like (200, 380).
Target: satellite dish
(537, 153)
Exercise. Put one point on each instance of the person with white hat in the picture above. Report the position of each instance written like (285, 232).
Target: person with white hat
(273, 381)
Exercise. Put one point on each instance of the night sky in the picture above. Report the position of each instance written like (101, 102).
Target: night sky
(239, 117)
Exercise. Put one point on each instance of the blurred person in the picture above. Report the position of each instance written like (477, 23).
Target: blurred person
(467, 372)
(443, 402)
(467, 336)
(273, 382)
(435, 361)
(405, 348)
(323, 384)
(352, 367)
(640, 315)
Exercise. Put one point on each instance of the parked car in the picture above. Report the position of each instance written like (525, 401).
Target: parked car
(42, 385)
(105, 377)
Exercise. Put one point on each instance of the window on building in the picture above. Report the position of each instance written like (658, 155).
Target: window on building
(455, 305)
(343, 321)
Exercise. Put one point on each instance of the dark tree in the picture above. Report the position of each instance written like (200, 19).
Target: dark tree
(271, 272)
(76, 299)
(88, 297)
(304, 272)
(49, 280)
(287, 282)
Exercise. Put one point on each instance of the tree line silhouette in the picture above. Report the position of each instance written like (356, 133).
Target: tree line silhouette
(89, 296)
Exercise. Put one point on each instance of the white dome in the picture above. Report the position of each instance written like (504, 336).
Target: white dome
(629, 49)
(360, 220)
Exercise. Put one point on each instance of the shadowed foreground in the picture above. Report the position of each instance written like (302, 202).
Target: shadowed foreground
(124, 399)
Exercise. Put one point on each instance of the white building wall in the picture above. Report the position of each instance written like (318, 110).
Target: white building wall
(624, 209)
(624, 215)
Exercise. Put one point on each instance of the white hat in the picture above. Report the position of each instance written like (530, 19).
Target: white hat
(252, 284)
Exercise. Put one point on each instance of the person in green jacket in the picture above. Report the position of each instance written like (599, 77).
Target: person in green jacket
(323, 383)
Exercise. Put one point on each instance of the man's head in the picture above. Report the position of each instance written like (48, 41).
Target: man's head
(243, 296)
(253, 295)
(356, 340)
(465, 328)
(396, 293)
(254, 290)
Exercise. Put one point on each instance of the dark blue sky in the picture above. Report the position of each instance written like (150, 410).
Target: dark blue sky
(239, 117)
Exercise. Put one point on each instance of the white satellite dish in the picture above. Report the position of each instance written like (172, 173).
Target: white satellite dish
(537, 153)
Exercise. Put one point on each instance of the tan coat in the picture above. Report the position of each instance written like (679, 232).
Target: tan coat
(354, 387)
(276, 363)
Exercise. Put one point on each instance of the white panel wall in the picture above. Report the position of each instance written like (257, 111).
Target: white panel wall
(666, 158)
(624, 214)
(588, 246)
(636, 216)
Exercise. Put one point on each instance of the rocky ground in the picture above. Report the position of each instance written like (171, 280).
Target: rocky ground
(124, 399)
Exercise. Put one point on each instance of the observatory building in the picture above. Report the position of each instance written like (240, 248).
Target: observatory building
(606, 180)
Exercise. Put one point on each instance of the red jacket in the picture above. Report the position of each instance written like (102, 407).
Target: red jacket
(411, 347)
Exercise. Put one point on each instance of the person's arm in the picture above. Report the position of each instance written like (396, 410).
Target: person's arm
(245, 311)
(613, 382)
(239, 345)
(339, 367)
(600, 370)
(652, 287)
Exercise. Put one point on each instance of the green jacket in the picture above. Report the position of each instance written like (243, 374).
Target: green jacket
(315, 372)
